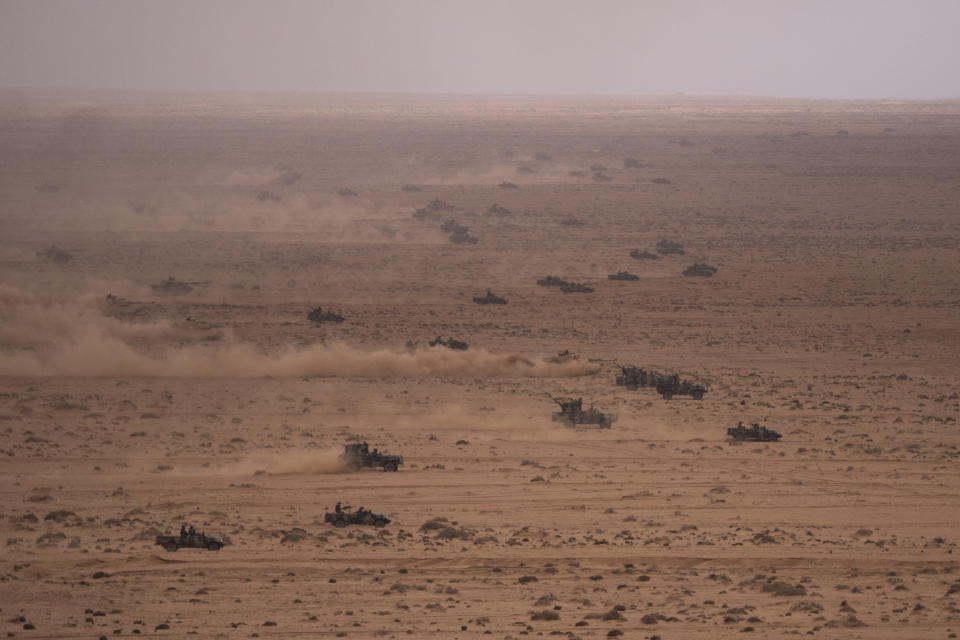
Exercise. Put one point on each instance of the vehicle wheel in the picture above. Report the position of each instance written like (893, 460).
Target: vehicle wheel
(171, 546)
(379, 523)
(667, 396)
(339, 523)
(390, 466)
(213, 546)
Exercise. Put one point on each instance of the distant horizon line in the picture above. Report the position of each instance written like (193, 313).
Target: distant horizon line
(451, 94)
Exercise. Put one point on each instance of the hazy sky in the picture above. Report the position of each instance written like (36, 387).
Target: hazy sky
(790, 48)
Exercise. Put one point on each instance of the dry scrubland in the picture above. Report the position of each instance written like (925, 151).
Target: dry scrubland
(833, 316)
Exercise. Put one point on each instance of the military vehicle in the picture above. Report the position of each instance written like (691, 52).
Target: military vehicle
(318, 315)
(674, 386)
(489, 298)
(192, 540)
(55, 254)
(623, 275)
(633, 377)
(563, 356)
(173, 287)
(669, 247)
(450, 343)
(497, 210)
(357, 455)
(550, 281)
(755, 432)
(342, 516)
(573, 414)
(636, 254)
(462, 236)
(575, 287)
(700, 269)
(432, 210)
(667, 385)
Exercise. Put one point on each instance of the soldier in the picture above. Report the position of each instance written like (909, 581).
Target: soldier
(192, 532)
(337, 508)
(183, 530)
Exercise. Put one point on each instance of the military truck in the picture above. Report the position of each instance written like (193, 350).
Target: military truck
(489, 298)
(343, 516)
(667, 385)
(191, 540)
(358, 454)
(449, 343)
(755, 433)
(633, 377)
(318, 315)
(573, 414)
(623, 275)
(674, 386)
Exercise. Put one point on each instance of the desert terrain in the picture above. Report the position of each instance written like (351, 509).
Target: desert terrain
(127, 410)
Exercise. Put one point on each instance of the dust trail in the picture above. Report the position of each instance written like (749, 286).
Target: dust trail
(73, 338)
(325, 461)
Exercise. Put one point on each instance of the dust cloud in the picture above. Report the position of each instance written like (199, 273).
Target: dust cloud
(326, 461)
(72, 338)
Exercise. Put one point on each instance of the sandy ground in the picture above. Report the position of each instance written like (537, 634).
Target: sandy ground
(832, 317)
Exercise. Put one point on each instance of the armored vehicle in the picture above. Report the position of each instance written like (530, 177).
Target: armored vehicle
(674, 386)
(173, 287)
(563, 356)
(450, 343)
(55, 254)
(432, 210)
(623, 275)
(669, 247)
(700, 269)
(755, 432)
(356, 455)
(462, 236)
(489, 298)
(191, 539)
(575, 287)
(573, 414)
(318, 315)
(342, 516)
(550, 281)
(636, 254)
